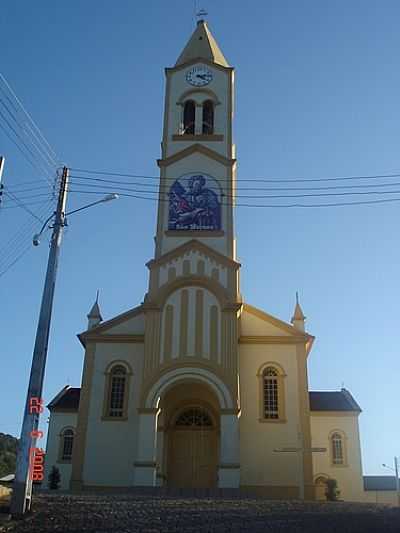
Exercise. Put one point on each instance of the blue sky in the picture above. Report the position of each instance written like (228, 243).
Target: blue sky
(316, 96)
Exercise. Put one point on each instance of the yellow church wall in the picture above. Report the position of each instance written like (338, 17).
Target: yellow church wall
(111, 444)
(252, 325)
(217, 90)
(132, 326)
(348, 476)
(259, 464)
(58, 422)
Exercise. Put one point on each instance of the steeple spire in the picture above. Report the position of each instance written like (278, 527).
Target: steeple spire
(202, 45)
(298, 317)
(94, 316)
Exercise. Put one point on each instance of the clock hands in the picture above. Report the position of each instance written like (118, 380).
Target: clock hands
(203, 76)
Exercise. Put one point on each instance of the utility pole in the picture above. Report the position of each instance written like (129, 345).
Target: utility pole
(396, 469)
(1, 174)
(22, 489)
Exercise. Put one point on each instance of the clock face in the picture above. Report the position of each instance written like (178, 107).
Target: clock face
(199, 76)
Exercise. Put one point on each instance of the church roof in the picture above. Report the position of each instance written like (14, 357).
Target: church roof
(202, 45)
(68, 398)
(379, 483)
(333, 401)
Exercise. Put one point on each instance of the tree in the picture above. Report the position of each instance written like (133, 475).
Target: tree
(332, 493)
(8, 454)
(54, 478)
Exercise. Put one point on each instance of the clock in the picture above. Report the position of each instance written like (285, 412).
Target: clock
(199, 76)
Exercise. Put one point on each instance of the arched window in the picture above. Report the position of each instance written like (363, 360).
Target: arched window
(194, 417)
(189, 117)
(208, 118)
(272, 395)
(116, 392)
(66, 445)
(271, 400)
(337, 448)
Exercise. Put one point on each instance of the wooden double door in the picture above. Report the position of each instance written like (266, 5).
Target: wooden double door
(193, 451)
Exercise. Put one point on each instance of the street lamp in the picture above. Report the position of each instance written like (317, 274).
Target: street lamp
(107, 198)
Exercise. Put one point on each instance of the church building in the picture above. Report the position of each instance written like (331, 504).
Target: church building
(195, 387)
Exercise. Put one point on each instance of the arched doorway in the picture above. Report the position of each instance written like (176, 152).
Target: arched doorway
(192, 448)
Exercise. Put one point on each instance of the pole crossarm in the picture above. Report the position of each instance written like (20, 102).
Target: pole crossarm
(300, 450)
(282, 450)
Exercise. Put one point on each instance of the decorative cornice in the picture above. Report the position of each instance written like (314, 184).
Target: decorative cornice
(190, 138)
(193, 149)
(113, 338)
(271, 339)
(334, 413)
(171, 70)
(193, 232)
(189, 246)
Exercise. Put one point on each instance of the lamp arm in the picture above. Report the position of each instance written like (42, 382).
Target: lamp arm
(45, 224)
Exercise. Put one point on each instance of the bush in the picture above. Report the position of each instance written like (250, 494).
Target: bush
(332, 493)
(54, 478)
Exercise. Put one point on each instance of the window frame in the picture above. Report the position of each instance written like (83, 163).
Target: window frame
(343, 439)
(108, 388)
(280, 377)
(61, 445)
(210, 103)
(184, 104)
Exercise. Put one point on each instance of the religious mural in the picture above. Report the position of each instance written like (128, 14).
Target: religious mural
(194, 203)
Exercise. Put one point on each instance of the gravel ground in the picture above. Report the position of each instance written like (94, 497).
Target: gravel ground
(153, 514)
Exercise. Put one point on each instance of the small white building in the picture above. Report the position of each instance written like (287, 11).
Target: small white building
(195, 387)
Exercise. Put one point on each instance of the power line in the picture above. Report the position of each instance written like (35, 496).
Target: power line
(269, 196)
(20, 256)
(12, 195)
(45, 141)
(288, 189)
(41, 187)
(32, 137)
(34, 163)
(30, 196)
(329, 187)
(336, 204)
(21, 238)
(299, 179)
(38, 202)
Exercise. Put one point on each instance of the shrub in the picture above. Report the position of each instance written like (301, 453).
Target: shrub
(54, 478)
(332, 493)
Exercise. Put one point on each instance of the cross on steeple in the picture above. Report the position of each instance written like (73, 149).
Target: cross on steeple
(201, 14)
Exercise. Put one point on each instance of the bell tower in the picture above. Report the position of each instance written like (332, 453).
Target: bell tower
(197, 167)
(193, 302)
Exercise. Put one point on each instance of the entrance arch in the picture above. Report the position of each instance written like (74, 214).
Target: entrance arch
(192, 448)
(155, 433)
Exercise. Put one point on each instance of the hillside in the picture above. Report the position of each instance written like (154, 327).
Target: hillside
(8, 454)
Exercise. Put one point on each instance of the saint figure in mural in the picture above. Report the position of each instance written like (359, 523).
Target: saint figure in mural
(195, 207)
